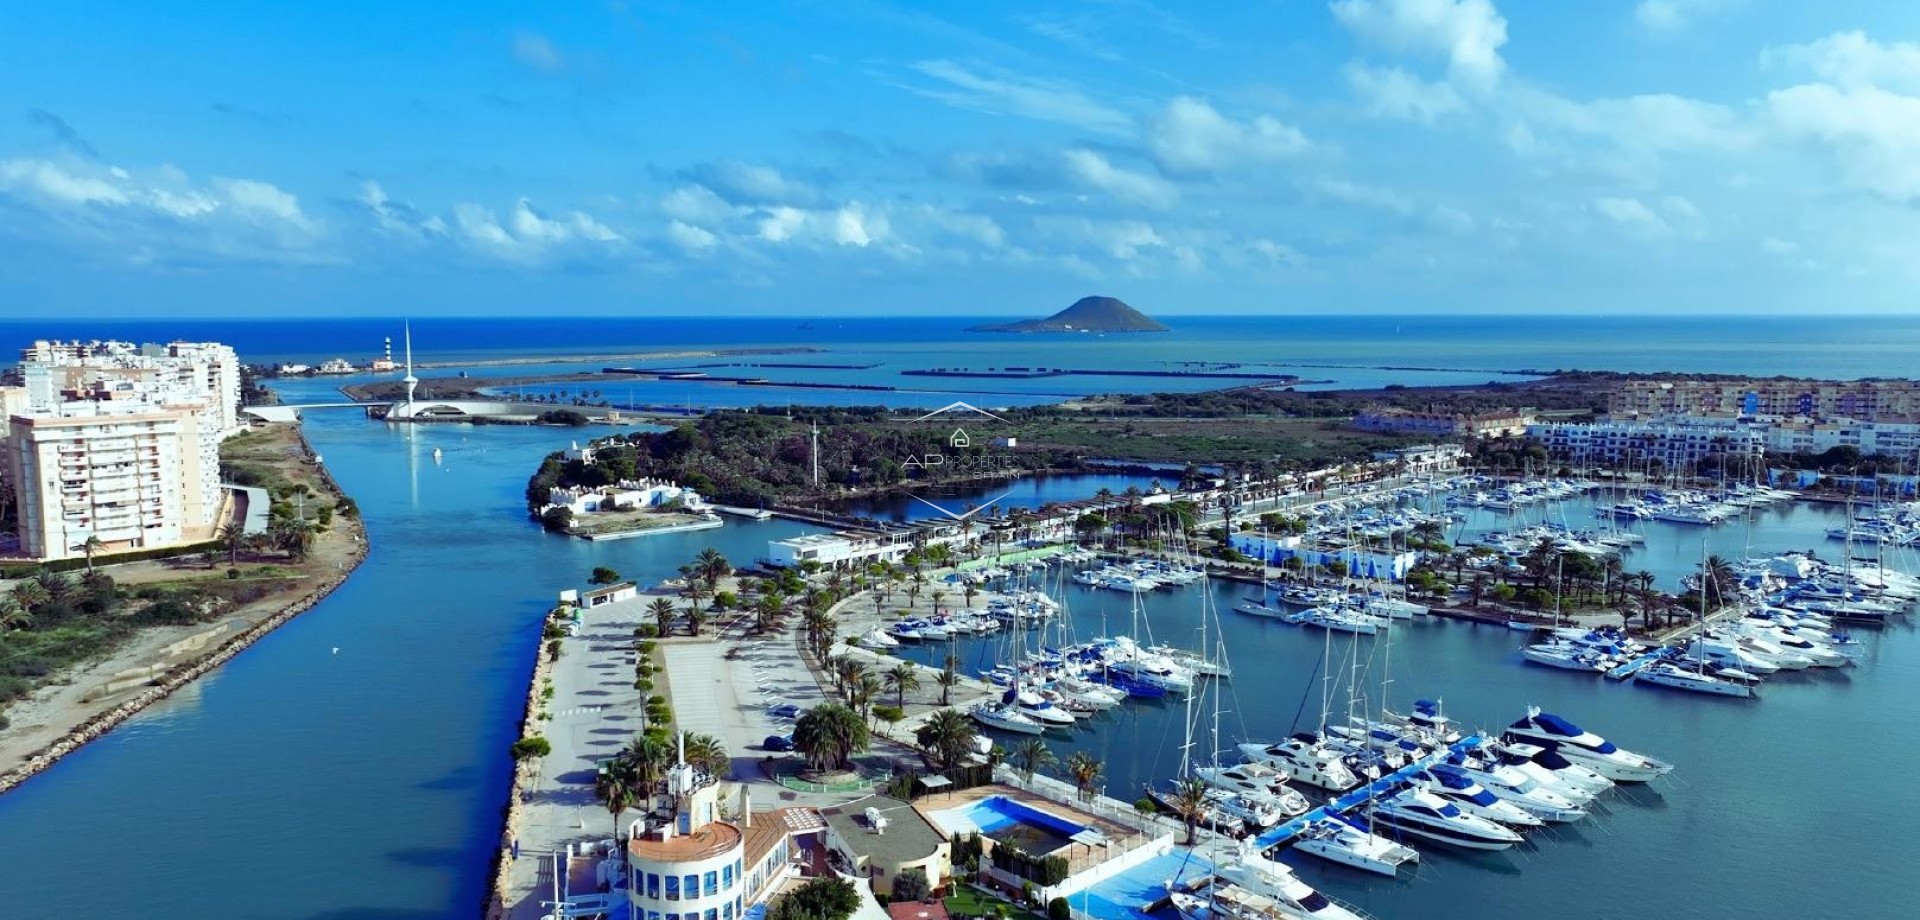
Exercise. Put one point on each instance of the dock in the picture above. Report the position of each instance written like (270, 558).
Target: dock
(1389, 784)
(1624, 671)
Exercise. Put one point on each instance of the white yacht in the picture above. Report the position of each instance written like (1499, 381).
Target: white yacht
(1457, 787)
(1304, 760)
(1585, 748)
(1567, 656)
(1005, 718)
(1258, 812)
(1728, 654)
(1558, 774)
(1261, 608)
(1276, 880)
(1037, 707)
(1259, 782)
(1337, 619)
(877, 638)
(1422, 814)
(1428, 720)
(1680, 677)
(1336, 840)
(1524, 791)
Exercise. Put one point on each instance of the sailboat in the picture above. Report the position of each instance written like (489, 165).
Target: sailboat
(1674, 673)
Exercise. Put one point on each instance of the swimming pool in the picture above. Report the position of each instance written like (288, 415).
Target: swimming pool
(1004, 820)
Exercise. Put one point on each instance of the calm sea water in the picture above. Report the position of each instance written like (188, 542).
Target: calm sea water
(366, 784)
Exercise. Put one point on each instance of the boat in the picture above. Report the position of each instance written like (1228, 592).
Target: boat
(1522, 790)
(1304, 759)
(1585, 748)
(1567, 656)
(1256, 781)
(1260, 608)
(1418, 813)
(1454, 785)
(1005, 718)
(1036, 707)
(877, 638)
(1673, 674)
(1427, 720)
(1339, 840)
(1558, 774)
(1277, 880)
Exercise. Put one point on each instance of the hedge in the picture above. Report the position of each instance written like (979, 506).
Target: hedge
(138, 555)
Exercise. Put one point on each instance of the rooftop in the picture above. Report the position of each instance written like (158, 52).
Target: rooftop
(917, 910)
(706, 842)
(770, 827)
(908, 835)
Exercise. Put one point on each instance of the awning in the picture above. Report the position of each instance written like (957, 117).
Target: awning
(935, 782)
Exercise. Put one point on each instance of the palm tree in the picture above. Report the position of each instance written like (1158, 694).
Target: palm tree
(93, 545)
(968, 591)
(846, 670)
(829, 734)
(708, 755)
(712, 566)
(1085, 770)
(695, 617)
(30, 594)
(948, 735)
(13, 613)
(1190, 802)
(938, 595)
(902, 678)
(645, 760)
(862, 692)
(662, 611)
(1031, 755)
(948, 679)
(614, 789)
(233, 538)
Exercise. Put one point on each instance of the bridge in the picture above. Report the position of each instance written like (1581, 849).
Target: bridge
(435, 410)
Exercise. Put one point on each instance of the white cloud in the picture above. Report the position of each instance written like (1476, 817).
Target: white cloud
(1391, 92)
(529, 236)
(1092, 170)
(398, 218)
(1371, 197)
(160, 214)
(1872, 134)
(850, 226)
(1775, 246)
(1190, 136)
(748, 183)
(688, 236)
(1013, 94)
(781, 224)
(1680, 207)
(1468, 33)
(1280, 253)
(697, 204)
(1851, 60)
(1668, 16)
(1634, 215)
(537, 53)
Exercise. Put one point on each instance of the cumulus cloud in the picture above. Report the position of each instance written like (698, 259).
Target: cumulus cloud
(398, 218)
(1851, 60)
(1467, 33)
(1872, 134)
(688, 236)
(160, 214)
(1391, 92)
(1002, 93)
(1634, 215)
(1190, 136)
(1667, 16)
(1076, 170)
(1370, 197)
(530, 236)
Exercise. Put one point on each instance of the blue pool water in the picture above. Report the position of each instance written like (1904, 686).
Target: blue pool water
(1002, 819)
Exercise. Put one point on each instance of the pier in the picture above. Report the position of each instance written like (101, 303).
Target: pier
(1389, 784)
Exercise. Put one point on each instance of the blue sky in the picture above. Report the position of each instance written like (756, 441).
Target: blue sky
(867, 157)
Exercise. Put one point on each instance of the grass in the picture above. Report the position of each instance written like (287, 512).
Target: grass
(1210, 440)
(967, 901)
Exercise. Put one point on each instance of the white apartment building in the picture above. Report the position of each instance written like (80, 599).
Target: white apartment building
(1682, 440)
(119, 443)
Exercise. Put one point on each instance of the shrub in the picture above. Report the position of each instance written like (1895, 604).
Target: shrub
(1059, 909)
(233, 574)
(553, 649)
(910, 886)
(531, 747)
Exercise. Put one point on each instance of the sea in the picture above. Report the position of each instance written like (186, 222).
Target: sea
(352, 765)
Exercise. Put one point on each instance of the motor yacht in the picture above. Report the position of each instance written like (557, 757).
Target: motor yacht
(1427, 720)
(1457, 787)
(877, 638)
(1304, 759)
(1558, 774)
(1585, 748)
(1725, 653)
(1260, 608)
(1277, 880)
(1567, 656)
(1422, 814)
(1257, 781)
(1516, 787)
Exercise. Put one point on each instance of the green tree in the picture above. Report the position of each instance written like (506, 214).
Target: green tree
(532, 747)
(615, 790)
(829, 735)
(1032, 755)
(902, 678)
(708, 755)
(603, 576)
(824, 898)
(1085, 770)
(948, 736)
(92, 546)
(661, 609)
(1190, 804)
(948, 679)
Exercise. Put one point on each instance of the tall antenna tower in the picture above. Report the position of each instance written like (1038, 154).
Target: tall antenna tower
(816, 454)
(410, 380)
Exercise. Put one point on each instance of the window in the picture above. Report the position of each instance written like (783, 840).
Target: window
(673, 891)
(726, 876)
(712, 885)
(713, 914)
(692, 884)
(653, 885)
(726, 911)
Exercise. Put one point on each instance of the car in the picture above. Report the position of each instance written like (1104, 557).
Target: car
(778, 743)
(784, 711)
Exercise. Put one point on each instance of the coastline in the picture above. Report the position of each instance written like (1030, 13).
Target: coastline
(89, 727)
(524, 773)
